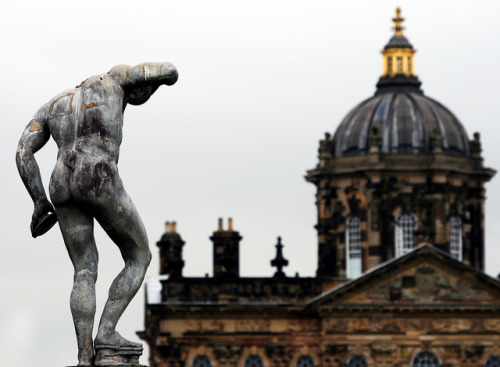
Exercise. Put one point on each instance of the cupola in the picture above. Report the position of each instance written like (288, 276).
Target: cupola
(398, 53)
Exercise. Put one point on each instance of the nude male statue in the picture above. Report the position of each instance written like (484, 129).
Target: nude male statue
(86, 123)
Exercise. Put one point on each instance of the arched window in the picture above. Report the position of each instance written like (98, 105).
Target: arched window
(389, 65)
(254, 360)
(399, 64)
(305, 361)
(201, 361)
(406, 224)
(492, 361)
(357, 361)
(456, 237)
(353, 247)
(426, 359)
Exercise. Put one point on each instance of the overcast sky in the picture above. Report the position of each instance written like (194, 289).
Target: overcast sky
(260, 83)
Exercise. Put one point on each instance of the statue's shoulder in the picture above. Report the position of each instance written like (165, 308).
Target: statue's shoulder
(120, 73)
(58, 105)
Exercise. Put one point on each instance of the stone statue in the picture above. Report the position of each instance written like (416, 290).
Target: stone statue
(86, 123)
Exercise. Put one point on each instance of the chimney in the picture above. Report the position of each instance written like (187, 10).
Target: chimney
(170, 245)
(226, 251)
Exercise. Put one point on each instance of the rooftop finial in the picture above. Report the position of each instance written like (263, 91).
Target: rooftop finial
(398, 21)
(398, 54)
(279, 261)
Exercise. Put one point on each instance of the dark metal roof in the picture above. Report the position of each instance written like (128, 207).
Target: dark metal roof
(398, 42)
(404, 119)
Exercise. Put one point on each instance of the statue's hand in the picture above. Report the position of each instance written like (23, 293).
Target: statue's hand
(169, 74)
(44, 217)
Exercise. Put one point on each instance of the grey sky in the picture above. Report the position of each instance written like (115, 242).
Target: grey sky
(260, 83)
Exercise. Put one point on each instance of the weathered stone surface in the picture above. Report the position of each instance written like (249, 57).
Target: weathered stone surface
(86, 123)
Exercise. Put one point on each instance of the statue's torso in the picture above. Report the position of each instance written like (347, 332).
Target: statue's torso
(89, 117)
(86, 124)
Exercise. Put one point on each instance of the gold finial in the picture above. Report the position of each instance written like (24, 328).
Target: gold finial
(398, 21)
(398, 53)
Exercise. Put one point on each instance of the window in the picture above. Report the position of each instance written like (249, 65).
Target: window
(201, 361)
(353, 247)
(456, 237)
(400, 64)
(406, 224)
(389, 65)
(357, 361)
(409, 65)
(493, 361)
(305, 361)
(254, 360)
(426, 359)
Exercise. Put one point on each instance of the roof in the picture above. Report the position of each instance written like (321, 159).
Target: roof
(406, 122)
(398, 42)
(444, 280)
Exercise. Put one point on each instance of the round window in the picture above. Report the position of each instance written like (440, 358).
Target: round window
(254, 361)
(305, 361)
(426, 359)
(201, 361)
(357, 361)
(493, 361)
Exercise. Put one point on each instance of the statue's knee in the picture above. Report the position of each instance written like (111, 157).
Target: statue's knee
(86, 275)
(146, 258)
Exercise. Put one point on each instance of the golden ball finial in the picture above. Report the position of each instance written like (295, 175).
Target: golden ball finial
(398, 21)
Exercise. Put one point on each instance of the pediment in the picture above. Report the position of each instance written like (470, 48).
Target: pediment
(426, 276)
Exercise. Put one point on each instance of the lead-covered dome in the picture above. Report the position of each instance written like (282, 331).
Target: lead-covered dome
(399, 118)
(406, 122)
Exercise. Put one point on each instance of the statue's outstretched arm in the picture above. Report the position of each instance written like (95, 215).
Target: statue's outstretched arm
(34, 137)
(145, 74)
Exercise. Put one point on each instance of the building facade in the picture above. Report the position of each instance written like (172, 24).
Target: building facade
(400, 278)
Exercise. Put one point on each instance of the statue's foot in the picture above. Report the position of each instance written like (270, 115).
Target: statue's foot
(115, 341)
(87, 360)
(116, 350)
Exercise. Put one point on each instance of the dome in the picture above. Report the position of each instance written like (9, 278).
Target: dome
(399, 118)
(405, 121)
(398, 42)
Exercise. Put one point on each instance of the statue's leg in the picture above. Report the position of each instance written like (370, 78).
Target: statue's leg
(77, 228)
(121, 221)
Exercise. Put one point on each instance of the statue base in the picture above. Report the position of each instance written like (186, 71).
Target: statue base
(116, 355)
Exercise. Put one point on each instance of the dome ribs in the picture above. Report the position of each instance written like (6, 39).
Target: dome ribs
(406, 122)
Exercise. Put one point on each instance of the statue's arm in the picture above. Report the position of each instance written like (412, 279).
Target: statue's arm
(34, 137)
(146, 74)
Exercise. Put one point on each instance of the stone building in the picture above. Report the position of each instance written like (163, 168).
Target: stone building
(400, 278)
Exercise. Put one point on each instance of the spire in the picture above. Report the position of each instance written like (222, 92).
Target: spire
(279, 261)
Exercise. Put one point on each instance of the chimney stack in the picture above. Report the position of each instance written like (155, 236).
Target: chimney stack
(170, 245)
(226, 251)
